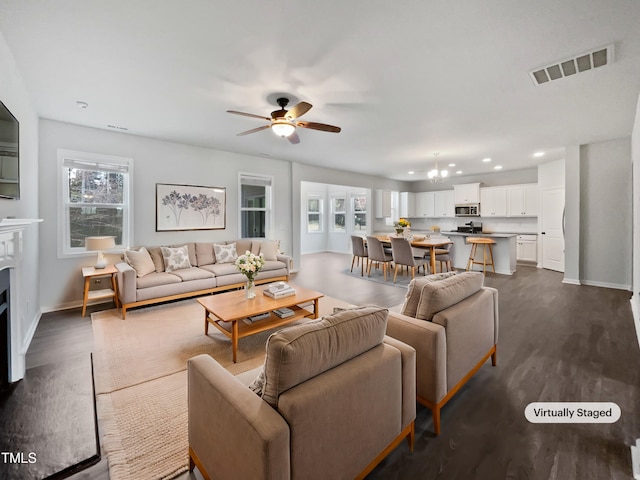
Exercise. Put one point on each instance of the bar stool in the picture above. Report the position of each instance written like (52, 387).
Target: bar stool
(485, 242)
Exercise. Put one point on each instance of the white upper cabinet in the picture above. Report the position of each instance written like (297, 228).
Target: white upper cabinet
(466, 193)
(493, 202)
(522, 200)
(382, 205)
(408, 204)
(425, 204)
(444, 205)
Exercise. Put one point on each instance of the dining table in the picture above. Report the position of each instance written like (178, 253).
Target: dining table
(430, 243)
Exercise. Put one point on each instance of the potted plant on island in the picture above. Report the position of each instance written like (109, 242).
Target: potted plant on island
(249, 265)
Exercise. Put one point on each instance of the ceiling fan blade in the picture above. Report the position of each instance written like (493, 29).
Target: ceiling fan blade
(253, 130)
(319, 126)
(298, 110)
(249, 115)
(294, 138)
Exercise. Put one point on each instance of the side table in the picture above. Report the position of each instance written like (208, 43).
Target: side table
(90, 272)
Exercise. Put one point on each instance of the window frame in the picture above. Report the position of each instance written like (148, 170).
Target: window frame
(268, 201)
(344, 212)
(320, 212)
(352, 206)
(91, 159)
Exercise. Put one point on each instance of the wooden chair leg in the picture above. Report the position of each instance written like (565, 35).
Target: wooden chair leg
(412, 436)
(436, 419)
(494, 357)
(395, 273)
(353, 260)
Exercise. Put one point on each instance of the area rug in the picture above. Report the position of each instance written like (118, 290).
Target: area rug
(141, 382)
(402, 280)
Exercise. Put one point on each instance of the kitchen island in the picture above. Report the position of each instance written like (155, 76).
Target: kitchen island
(504, 250)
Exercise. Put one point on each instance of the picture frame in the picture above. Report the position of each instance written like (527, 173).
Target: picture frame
(190, 207)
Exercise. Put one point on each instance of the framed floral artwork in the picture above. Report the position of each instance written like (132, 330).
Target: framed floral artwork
(190, 207)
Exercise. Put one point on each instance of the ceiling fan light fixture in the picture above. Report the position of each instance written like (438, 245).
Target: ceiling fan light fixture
(282, 128)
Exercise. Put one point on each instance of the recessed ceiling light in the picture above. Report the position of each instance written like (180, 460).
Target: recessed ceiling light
(485, 160)
(538, 154)
(452, 164)
(498, 167)
(411, 172)
(82, 104)
(459, 172)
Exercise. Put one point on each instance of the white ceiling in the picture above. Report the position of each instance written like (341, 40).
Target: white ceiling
(403, 79)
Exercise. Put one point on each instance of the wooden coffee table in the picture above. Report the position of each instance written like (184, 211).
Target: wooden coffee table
(227, 311)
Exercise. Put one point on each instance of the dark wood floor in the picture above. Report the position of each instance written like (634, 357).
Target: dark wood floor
(557, 342)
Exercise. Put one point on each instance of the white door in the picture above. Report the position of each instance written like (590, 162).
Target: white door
(552, 229)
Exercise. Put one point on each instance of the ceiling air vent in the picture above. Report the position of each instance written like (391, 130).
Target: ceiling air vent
(570, 66)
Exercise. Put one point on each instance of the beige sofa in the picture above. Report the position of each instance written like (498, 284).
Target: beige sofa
(336, 397)
(452, 322)
(138, 285)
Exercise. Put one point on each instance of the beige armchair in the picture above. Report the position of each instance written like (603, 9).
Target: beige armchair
(452, 322)
(337, 396)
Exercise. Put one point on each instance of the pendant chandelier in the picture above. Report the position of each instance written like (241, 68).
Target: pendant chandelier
(437, 175)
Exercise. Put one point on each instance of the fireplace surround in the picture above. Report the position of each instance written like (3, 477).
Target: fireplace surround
(11, 261)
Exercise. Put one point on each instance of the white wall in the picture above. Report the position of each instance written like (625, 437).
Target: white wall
(635, 158)
(606, 214)
(15, 96)
(155, 161)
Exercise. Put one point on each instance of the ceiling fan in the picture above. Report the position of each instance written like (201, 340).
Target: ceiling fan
(284, 122)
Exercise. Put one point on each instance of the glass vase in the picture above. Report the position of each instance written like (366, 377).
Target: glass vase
(250, 289)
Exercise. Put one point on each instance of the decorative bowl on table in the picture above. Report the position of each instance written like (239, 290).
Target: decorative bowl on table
(419, 238)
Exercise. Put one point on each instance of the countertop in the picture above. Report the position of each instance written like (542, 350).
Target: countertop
(493, 235)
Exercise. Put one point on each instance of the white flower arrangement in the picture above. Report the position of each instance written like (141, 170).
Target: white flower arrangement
(250, 264)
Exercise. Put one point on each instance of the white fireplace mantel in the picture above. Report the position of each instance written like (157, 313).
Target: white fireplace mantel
(11, 256)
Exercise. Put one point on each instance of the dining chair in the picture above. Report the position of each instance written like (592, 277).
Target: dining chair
(377, 255)
(359, 253)
(403, 256)
(443, 255)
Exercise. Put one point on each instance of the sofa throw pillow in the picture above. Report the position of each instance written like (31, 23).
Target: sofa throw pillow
(204, 253)
(412, 298)
(156, 256)
(438, 296)
(300, 352)
(140, 261)
(269, 250)
(175, 258)
(225, 253)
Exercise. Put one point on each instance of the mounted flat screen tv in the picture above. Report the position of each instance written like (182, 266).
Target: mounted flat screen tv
(9, 154)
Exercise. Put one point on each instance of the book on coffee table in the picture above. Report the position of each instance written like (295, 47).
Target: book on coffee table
(284, 312)
(256, 318)
(279, 290)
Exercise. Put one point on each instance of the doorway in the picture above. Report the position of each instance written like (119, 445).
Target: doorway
(552, 229)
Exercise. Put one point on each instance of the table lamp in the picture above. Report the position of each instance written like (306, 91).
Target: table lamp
(99, 244)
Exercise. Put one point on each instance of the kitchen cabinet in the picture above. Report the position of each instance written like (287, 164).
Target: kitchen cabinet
(522, 200)
(493, 202)
(382, 206)
(466, 193)
(527, 248)
(408, 204)
(444, 205)
(425, 204)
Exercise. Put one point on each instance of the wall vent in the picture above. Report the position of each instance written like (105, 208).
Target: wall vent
(580, 63)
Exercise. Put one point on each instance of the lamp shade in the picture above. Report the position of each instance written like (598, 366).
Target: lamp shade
(99, 244)
(283, 128)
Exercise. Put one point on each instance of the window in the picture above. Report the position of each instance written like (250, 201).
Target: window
(314, 213)
(255, 206)
(359, 212)
(95, 199)
(339, 211)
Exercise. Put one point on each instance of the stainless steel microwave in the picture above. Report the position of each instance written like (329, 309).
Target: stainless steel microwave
(468, 210)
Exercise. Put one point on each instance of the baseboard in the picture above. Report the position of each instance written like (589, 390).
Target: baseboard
(70, 305)
(635, 310)
(617, 286)
(571, 281)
